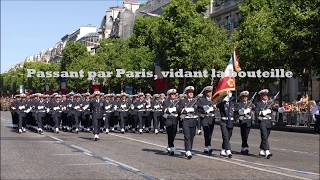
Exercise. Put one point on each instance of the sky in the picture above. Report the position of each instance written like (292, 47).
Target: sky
(29, 26)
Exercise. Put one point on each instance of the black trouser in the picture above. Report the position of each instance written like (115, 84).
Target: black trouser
(157, 115)
(133, 119)
(70, 118)
(15, 117)
(265, 129)
(171, 128)
(40, 118)
(141, 119)
(56, 118)
(115, 118)
(226, 134)
(123, 118)
(317, 124)
(22, 117)
(245, 130)
(96, 120)
(107, 118)
(189, 131)
(208, 126)
(77, 118)
(147, 116)
(64, 118)
(85, 120)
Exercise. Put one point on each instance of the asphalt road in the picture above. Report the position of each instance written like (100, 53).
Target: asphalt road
(134, 156)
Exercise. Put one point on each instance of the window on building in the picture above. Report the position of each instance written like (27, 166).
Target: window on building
(229, 24)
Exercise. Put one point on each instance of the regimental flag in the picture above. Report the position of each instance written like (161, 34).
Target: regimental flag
(227, 81)
(236, 61)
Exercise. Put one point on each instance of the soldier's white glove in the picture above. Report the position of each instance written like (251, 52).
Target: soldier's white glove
(69, 105)
(22, 107)
(281, 110)
(64, 108)
(173, 109)
(265, 112)
(56, 108)
(241, 111)
(189, 110)
(13, 108)
(140, 106)
(147, 106)
(107, 107)
(206, 108)
(48, 110)
(156, 106)
(123, 106)
(85, 107)
(132, 106)
(28, 110)
(77, 107)
(247, 111)
(115, 107)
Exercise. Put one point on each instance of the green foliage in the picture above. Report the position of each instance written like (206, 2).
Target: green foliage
(73, 52)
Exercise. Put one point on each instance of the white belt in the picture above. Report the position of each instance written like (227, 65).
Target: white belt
(226, 118)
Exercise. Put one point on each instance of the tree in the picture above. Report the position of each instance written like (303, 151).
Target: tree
(72, 52)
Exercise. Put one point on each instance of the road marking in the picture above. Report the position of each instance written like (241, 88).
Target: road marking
(72, 154)
(86, 164)
(60, 140)
(106, 160)
(224, 160)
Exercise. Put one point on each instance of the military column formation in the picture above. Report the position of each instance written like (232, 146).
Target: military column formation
(144, 113)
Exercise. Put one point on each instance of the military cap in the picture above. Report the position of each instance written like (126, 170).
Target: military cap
(171, 91)
(140, 94)
(244, 93)
(207, 88)
(188, 88)
(263, 91)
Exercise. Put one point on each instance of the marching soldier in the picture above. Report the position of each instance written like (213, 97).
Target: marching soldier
(22, 107)
(171, 116)
(69, 110)
(40, 110)
(139, 107)
(162, 120)
(245, 119)
(226, 108)
(157, 112)
(85, 120)
(180, 120)
(207, 115)
(56, 112)
(14, 109)
(188, 110)
(263, 111)
(96, 108)
(77, 111)
(116, 114)
(147, 113)
(108, 112)
(123, 111)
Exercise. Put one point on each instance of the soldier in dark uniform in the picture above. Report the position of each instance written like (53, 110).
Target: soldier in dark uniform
(97, 109)
(108, 111)
(123, 111)
(40, 110)
(263, 111)
(207, 115)
(14, 109)
(171, 116)
(22, 110)
(147, 113)
(226, 108)
(245, 119)
(157, 112)
(77, 111)
(188, 111)
(139, 108)
(64, 114)
(85, 119)
(70, 111)
(180, 119)
(133, 117)
(162, 120)
(56, 108)
(116, 114)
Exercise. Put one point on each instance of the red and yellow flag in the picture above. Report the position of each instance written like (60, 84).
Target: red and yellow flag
(227, 81)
